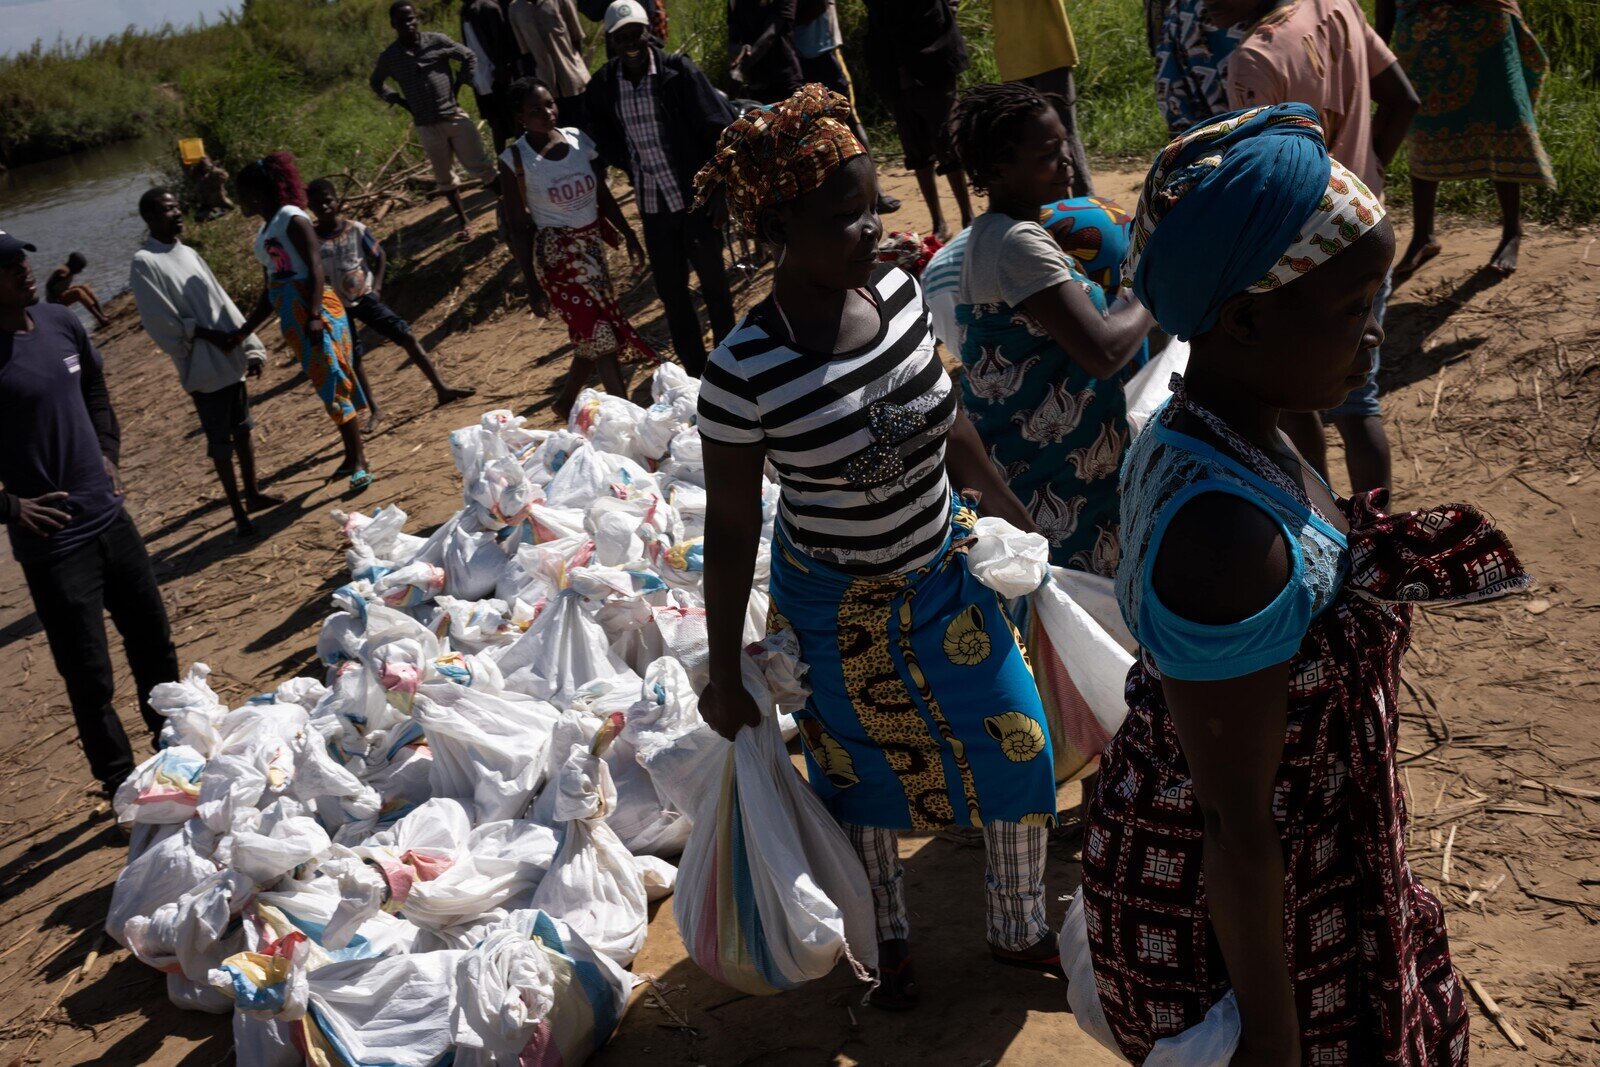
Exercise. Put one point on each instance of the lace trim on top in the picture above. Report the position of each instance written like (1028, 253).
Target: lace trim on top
(1160, 466)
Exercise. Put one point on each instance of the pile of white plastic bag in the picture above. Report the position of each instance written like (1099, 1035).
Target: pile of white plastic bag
(445, 848)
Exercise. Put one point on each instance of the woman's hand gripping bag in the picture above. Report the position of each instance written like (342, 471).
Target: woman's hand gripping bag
(770, 892)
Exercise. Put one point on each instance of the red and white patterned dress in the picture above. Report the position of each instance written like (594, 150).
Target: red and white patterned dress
(1367, 949)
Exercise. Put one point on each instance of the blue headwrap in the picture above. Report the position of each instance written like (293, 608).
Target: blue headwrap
(1221, 205)
(1096, 235)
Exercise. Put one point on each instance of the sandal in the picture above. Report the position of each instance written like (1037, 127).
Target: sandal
(897, 985)
(1043, 955)
(361, 478)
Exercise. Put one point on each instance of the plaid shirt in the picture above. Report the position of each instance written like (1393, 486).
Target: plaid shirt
(652, 170)
(427, 87)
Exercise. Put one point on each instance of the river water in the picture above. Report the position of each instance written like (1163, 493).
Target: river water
(87, 202)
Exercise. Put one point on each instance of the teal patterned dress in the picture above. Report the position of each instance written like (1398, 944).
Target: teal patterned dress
(1057, 433)
(1478, 70)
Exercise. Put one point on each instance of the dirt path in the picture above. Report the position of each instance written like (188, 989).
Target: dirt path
(1492, 391)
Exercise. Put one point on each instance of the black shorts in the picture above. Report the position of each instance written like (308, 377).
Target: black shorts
(922, 115)
(382, 319)
(223, 413)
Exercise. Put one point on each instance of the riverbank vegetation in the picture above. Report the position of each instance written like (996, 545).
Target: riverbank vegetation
(292, 73)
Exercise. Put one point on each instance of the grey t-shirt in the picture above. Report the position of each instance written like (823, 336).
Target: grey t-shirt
(1009, 260)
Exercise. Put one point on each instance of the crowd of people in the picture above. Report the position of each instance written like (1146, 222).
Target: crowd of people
(1244, 842)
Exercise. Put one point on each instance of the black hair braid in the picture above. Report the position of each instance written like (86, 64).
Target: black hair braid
(987, 124)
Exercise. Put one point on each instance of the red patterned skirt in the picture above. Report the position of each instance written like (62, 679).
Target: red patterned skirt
(572, 269)
(1366, 943)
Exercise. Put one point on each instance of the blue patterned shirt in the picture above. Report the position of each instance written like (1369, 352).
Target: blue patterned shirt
(1191, 59)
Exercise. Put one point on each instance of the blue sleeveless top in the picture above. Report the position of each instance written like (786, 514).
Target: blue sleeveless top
(1166, 469)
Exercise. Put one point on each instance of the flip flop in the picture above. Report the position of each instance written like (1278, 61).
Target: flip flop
(361, 479)
(897, 986)
(1049, 963)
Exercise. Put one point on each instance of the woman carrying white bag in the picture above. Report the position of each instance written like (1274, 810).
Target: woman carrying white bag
(922, 712)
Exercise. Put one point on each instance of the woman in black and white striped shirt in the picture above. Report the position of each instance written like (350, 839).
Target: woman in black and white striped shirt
(923, 712)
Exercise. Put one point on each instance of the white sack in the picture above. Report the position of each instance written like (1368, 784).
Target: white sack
(807, 883)
(1148, 390)
(592, 884)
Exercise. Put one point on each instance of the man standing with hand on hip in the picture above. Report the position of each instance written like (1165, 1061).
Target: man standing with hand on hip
(61, 500)
(420, 64)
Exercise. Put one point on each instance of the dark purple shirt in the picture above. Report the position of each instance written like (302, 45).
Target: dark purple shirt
(56, 424)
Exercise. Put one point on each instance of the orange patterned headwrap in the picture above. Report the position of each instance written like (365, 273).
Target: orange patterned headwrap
(779, 152)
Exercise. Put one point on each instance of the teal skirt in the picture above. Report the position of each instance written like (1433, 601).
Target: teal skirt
(1478, 71)
(923, 711)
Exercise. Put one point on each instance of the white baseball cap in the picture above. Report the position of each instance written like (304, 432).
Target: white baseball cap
(625, 13)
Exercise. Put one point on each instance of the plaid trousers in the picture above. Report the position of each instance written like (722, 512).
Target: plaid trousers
(1013, 881)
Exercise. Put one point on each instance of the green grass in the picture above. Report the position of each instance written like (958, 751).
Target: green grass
(1116, 99)
(292, 73)
(283, 74)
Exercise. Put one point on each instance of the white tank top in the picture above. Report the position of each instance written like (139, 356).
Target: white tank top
(558, 192)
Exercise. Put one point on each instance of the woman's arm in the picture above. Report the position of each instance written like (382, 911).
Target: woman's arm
(733, 533)
(261, 312)
(1398, 104)
(520, 227)
(969, 468)
(611, 211)
(1100, 344)
(1384, 22)
(304, 239)
(1221, 561)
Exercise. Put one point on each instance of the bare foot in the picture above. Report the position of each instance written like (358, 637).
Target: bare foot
(451, 393)
(887, 205)
(261, 502)
(1504, 262)
(464, 234)
(943, 233)
(374, 420)
(1422, 249)
(243, 528)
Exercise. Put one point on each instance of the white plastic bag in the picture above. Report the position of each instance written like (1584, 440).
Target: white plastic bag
(489, 749)
(393, 1010)
(1005, 559)
(1209, 1043)
(533, 991)
(564, 648)
(682, 755)
(163, 789)
(442, 872)
(812, 903)
(170, 865)
(192, 710)
(593, 883)
(1080, 650)
(473, 560)
(1148, 390)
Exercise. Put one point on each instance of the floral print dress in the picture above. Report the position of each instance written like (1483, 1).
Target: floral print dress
(1056, 433)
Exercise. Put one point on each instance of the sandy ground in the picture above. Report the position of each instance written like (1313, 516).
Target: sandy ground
(1492, 390)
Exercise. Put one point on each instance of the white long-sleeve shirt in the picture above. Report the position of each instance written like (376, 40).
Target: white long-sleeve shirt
(177, 294)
